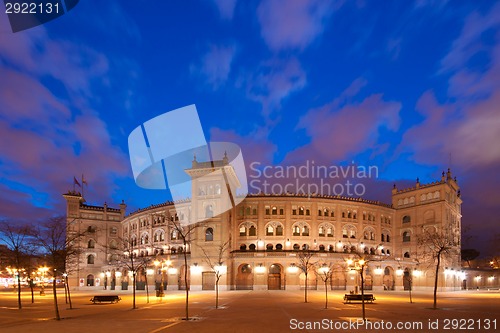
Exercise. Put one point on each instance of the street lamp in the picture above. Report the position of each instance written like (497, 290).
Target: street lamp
(43, 270)
(358, 265)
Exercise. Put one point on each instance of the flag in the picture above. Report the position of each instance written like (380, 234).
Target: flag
(76, 182)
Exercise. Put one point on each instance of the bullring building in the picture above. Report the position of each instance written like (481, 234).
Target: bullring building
(265, 235)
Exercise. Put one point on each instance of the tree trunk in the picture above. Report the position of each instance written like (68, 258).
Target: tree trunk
(147, 288)
(305, 290)
(363, 293)
(436, 279)
(217, 291)
(326, 294)
(69, 294)
(133, 290)
(19, 289)
(32, 292)
(186, 281)
(56, 307)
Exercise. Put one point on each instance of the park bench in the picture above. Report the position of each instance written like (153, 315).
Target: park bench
(105, 298)
(348, 298)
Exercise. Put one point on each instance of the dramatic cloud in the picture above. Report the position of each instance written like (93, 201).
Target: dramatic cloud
(344, 128)
(215, 65)
(47, 139)
(293, 24)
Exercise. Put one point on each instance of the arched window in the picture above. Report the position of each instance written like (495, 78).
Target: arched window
(173, 235)
(91, 244)
(91, 229)
(382, 238)
(252, 231)
(322, 248)
(112, 244)
(407, 255)
(243, 247)
(269, 247)
(279, 230)
(406, 236)
(90, 259)
(321, 231)
(406, 219)
(296, 230)
(279, 247)
(274, 211)
(209, 235)
(243, 231)
(252, 247)
(296, 247)
(305, 247)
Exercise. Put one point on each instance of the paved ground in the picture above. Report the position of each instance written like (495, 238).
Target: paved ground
(253, 311)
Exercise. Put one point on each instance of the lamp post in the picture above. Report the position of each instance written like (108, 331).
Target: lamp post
(358, 265)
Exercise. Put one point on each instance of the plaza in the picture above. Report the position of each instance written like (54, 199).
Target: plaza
(250, 311)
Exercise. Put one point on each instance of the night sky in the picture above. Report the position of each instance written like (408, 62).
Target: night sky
(412, 88)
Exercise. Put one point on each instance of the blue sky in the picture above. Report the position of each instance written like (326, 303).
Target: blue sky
(410, 87)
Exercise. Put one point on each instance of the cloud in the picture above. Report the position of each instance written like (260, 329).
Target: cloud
(225, 8)
(48, 139)
(274, 81)
(215, 65)
(293, 24)
(343, 127)
(255, 145)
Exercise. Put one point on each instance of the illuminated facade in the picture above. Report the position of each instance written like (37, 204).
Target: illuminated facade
(266, 233)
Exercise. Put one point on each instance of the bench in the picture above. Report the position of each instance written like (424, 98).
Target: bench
(348, 298)
(105, 298)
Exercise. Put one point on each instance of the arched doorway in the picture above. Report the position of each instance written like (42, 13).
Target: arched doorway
(388, 280)
(90, 280)
(274, 277)
(244, 277)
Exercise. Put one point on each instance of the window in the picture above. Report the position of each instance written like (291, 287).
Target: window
(281, 211)
(254, 211)
(252, 247)
(91, 229)
(279, 230)
(296, 247)
(269, 230)
(322, 248)
(279, 247)
(252, 231)
(247, 211)
(113, 231)
(209, 235)
(296, 230)
(243, 231)
(91, 244)
(267, 210)
(406, 219)
(344, 233)
(275, 211)
(90, 259)
(320, 212)
(407, 255)
(321, 231)
(308, 212)
(243, 247)
(113, 245)
(329, 232)
(173, 235)
(382, 238)
(406, 236)
(305, 231)
(301, 211)
(269, 247)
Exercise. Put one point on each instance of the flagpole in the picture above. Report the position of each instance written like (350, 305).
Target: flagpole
(83, 187)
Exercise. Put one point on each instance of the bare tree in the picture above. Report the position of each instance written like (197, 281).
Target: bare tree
(185, 232)
(325, 272)
(123, 256)
(306, 265)
(216, 265)
(438, 246)
(59, 247)
(17, 239)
